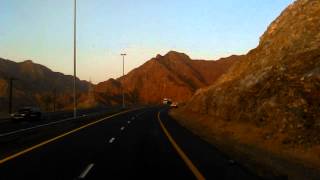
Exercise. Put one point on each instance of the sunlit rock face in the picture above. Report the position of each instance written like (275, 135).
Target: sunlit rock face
(277, 84)
(174, 75)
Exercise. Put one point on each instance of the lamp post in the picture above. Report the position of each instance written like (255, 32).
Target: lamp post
(74, 59)
(54, 99)
(123, 55)
(10, 93)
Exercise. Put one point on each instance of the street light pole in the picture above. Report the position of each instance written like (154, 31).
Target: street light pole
(123, 55)
(10, 93)
(74, 59)
(54, 99)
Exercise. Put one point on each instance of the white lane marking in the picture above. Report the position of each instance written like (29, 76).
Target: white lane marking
(122, 128)
(129, 122)
(86, 171)
(132, 118)
(112, 140)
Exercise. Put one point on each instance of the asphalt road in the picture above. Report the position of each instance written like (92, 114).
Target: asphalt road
(129, 145)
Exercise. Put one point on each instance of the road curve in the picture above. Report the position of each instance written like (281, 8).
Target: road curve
(128, 145)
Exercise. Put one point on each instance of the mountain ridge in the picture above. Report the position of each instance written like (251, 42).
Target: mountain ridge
(175, 75)
(36, 85)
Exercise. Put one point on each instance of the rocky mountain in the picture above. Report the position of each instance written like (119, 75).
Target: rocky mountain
(276, 82)
(272, 93)
(37, 85)
(173, 75)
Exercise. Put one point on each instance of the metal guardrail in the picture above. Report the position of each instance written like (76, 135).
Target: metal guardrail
(34, 127)
(3, 120)
(61, 114)
(69, 119)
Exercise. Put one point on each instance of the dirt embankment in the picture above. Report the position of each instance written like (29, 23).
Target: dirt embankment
(254, 148)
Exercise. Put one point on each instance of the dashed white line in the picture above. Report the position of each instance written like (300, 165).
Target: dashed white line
(86, 171)
(122, 128)
(112, 140)
(133, 118)
(129, 122)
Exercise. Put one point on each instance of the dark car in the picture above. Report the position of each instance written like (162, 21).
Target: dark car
(27, 114)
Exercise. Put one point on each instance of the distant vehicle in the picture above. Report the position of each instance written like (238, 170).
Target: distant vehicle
(166, 101)
(27, 114)
(174, 105)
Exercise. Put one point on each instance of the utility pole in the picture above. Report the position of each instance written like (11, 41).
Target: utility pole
(10, 93)
(123, 103)
(74, 59)
(54, 99)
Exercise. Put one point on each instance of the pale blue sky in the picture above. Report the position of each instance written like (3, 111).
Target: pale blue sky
(41, 30)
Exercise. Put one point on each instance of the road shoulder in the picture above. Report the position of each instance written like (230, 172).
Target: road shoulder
(265, 163)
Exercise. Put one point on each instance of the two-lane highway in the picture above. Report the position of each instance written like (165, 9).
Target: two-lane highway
(138, 144)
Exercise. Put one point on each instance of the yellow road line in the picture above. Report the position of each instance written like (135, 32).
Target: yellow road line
(184, 157)
(58, 137)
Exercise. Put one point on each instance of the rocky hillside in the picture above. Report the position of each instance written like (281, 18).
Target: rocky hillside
(277, 83)
(37, 85)
(173, 75)
(272, 93)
